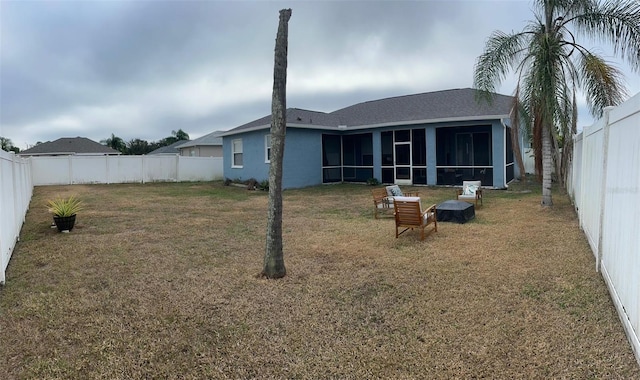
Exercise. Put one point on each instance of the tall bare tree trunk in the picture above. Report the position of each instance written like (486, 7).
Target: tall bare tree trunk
(547, 163)
(273, 256)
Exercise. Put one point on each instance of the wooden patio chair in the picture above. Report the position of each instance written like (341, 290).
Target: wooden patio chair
(471, 192)
(381, 202)
(409, 215)
(395, 191)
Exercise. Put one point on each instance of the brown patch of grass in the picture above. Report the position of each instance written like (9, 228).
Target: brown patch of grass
(159, 281)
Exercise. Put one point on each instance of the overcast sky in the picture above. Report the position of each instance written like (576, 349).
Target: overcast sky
(140, 69)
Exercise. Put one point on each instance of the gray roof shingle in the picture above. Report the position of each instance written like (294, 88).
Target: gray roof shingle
(455, 104)
(168, 149)
(429, 106)
(69, 146)
(211, 139)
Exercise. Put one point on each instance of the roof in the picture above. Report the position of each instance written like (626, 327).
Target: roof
(69, 146)
(168, 149)
(425, 107)
(428, 107)
(212, 139)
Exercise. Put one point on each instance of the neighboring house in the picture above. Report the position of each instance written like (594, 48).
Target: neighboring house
(435, 138)
(206, 146)
(169, 149)
(69, 146)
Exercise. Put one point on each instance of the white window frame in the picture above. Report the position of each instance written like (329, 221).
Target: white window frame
(267, 149)
(234, 152)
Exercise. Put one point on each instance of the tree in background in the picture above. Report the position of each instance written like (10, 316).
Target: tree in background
(176, 136)
(116, 143)
(138, 146)
(7, 145)
(273, 256)
(551, 67)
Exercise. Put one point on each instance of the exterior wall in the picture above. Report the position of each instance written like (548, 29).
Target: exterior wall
(303, 153)
(202, 151)
(498, 134)
(302, 165)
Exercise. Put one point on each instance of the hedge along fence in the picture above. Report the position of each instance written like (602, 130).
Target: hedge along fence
(19, 175)
(605, 187)
(16, 188)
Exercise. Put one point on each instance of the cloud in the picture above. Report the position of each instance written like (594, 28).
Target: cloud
(140, 69)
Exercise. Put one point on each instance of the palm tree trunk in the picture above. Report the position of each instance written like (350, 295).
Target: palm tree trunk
(273, 256)
(547, 162)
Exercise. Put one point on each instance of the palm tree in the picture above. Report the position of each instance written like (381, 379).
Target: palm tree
(115, 142)
(273, 256)
(551, 68)
(180, 135)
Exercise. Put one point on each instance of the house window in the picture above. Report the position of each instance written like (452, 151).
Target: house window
(236, 153)
(267, 149)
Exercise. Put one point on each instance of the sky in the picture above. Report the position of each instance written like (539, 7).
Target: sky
(142, 69)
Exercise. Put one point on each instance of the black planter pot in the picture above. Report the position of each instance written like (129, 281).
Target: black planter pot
(64, 223)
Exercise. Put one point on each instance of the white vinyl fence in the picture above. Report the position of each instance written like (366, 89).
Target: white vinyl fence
(15, 194)
(605, 187)
(68, 170)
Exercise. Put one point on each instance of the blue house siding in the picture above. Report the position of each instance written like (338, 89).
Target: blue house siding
(301, 164)
(498, 142)
(303, 156)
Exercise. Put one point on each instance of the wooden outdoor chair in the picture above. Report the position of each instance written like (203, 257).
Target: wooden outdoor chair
(381, 202)
(409, 215)
(394, 191)
(471, 192)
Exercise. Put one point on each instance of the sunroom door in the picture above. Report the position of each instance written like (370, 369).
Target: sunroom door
(402, 157)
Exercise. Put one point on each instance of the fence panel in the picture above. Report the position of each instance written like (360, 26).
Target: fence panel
(160, 168)
(88, 169)
(621, 221)
(575, 175)
(125, 169)
(199, 168)
(608, 201)
(15, 194)
(589, 203)
(50, 170)
(67, 170)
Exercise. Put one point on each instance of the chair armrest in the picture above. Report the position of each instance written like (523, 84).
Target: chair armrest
(429, 209)
(411, 194)
(479, 193)
(459, 192)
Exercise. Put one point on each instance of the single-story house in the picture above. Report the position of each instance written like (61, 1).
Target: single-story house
(69, 146)
(434, 138)
(209, 145)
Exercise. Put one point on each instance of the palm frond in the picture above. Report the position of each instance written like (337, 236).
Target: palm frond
(501, 52)
(613, 22)
(603, 83)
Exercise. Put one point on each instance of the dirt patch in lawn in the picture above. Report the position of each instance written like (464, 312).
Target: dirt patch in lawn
(159, 281)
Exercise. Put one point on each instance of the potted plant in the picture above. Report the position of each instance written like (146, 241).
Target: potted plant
(64, 212)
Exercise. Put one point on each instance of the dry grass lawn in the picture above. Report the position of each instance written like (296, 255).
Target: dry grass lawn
(159, 281)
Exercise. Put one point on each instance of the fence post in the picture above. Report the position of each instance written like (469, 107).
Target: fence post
(603, 197)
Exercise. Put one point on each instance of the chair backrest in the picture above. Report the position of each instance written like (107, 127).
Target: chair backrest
(408, 211)
(470, 187)
(394, 191)
(379, 194)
